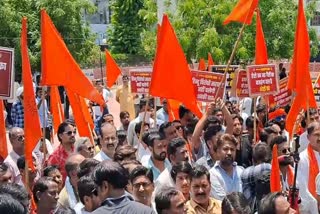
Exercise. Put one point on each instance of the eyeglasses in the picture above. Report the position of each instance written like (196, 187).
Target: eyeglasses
(285, 151)
(144, 185)
(178, 127)
(20, 138)
(90, 148)
(69, 133)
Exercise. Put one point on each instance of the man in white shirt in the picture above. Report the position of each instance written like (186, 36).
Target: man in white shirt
(108, 142)
(162, 113)
(16, 137)
(225, 175)
(308, 200)
(131, 136)
(303, 140)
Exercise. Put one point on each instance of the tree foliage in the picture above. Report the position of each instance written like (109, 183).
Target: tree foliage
(124, 35)
(67, 17)
(198, 25)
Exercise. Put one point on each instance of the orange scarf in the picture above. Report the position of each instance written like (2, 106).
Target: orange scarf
(313, 171)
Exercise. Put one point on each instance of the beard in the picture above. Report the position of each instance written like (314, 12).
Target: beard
(227, 161)
(160, 157)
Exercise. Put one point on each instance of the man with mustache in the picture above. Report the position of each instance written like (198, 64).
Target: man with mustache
(225, 175)
(200, 202)
(108, 142)
(177, 152)
(308, 169)
(66, 135)
(157, 162)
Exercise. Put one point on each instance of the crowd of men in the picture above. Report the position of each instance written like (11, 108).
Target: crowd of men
(219, 163)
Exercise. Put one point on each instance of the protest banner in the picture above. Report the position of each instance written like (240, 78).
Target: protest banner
(140, 79)
(316, 86)
(262, 80)
(6, 72)
(242, 88)
(230, 76)
(207, 84)
(283, 97)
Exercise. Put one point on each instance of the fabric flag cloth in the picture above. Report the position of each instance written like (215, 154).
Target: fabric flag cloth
(210, 60)
(173, 109)
(275, 183)
(313, 171)
(3, 136)
(31, 116)
(112, 69)
(171, 77)
(58, 65)
(56, 108)
(261, 47)
(202, 65)
(299, 79)
(242, 12)
(77, 111)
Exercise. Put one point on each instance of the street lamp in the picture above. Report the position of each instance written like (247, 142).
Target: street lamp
(103, 47)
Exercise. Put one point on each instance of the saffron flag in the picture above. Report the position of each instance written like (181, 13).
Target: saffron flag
(242, 12)
(112, 69)
(210, 60)
(59, 67)
(3, 136)
(56, 108)
(173, 109)
(202, 65)
(275, 183)
(261, 47)
(77, 109)
(32, 128)
(171, 77)
(299, 79)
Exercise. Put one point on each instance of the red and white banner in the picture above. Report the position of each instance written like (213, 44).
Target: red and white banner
(283, 97)
(206, 85)
(140, 80)
(262, 79)
(242, 87)
(6, 73)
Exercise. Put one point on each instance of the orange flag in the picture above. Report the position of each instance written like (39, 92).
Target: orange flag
(79, 117)
(210, 60)
(56, 107)
(3, 136)
(202, 65)
(173, 110)
(275, 183)
(261, 48)
(113, 70)
(171, 77)
(58, 65)
(242, 12)
(32, 128)
(299, 78)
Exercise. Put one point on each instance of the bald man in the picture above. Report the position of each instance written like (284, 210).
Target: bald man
(68, 196)
(16, 137)
(108, 142)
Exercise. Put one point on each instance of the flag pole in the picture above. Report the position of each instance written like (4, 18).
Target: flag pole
(44, 126)
(232, 54)
(254, 120)
(143, 121)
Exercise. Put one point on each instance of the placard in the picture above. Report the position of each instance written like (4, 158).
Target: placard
(207, 84)
(140, 79)
(283, 97)
(262, 79)
(242, 87)
(316, 87)
(230, 76)
(6, 72)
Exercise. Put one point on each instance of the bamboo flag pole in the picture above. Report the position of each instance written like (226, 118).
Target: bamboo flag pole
(254, 119)
(143, 121)
(44, 126)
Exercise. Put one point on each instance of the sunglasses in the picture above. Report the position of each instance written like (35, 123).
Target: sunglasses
(179, 127)
(20, 138)
(285, 151)
(69, 133)
(278, 119)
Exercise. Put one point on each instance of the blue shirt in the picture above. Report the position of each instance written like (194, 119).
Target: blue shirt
(43, 113)
(222, 183)
(17, 114)
(155, 171)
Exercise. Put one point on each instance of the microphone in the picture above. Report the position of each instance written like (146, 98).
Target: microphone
(285, 159)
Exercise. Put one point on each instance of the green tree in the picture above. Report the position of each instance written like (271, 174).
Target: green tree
(198, 25)
(124, 35)
(67, 17)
